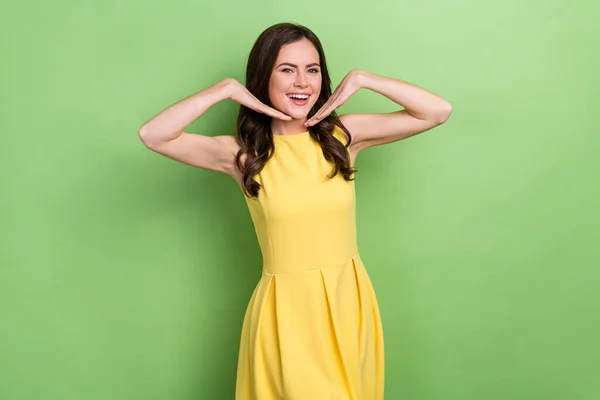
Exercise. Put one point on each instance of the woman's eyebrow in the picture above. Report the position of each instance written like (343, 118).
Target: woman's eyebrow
(295, 66)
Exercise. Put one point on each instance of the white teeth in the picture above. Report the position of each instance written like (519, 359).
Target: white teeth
(298, 96)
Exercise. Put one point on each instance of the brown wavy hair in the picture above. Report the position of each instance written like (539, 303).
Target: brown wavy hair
(254, 128)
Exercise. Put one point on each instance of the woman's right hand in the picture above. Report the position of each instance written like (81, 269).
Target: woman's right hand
(239, 93)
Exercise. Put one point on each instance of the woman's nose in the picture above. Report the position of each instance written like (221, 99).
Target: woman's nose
(300, 80)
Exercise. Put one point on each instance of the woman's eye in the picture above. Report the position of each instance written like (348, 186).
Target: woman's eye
(312, 70)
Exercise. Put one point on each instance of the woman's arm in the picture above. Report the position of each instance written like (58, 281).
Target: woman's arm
(170, 123)
(417, 101)
(423, 110)
(164, 133)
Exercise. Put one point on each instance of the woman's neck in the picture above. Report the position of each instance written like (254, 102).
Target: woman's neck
(279, 127)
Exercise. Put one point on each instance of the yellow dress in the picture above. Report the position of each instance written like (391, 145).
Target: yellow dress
(312, 329)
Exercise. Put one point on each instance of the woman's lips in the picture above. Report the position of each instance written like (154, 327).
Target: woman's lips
(299, 102)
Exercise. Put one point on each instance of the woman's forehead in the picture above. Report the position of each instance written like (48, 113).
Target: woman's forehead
(300, 53)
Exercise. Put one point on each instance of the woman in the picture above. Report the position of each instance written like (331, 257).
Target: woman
(312, 329)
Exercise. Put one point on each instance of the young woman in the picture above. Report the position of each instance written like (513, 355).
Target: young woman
(312, 329)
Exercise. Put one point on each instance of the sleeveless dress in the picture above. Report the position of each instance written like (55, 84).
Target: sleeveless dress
(312, 328)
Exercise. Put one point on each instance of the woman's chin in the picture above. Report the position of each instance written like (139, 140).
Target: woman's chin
(298, 116)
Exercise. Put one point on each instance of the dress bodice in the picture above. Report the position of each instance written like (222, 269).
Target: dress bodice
(303, 219)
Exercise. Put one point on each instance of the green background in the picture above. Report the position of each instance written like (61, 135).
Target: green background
(125, 275)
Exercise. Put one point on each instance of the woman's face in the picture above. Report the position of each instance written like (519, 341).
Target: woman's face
(295, 82)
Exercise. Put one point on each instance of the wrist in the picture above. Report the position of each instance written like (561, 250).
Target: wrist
(363, 78)
(223, 88)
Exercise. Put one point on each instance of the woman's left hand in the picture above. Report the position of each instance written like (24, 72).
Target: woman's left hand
(349, 85)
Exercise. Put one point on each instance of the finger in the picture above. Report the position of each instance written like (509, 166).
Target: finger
(282, 116)
(263, 108)
(314, 117)
(276, 114)
(330, 105)
(324, 109)
(318, 115)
